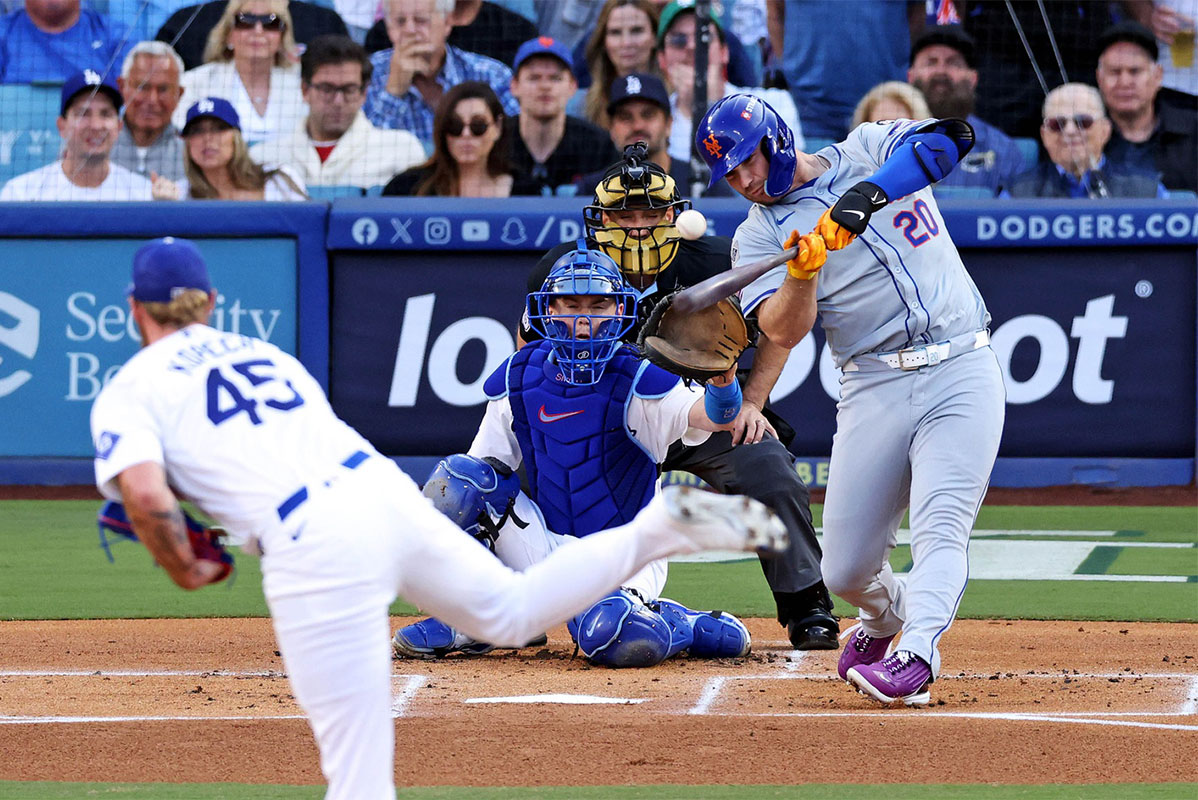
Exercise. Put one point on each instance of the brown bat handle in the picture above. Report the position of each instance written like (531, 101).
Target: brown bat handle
(717, 287)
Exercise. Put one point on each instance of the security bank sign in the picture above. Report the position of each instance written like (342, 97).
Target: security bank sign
(66, 330)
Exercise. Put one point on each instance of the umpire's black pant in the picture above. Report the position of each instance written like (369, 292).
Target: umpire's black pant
(764, 471)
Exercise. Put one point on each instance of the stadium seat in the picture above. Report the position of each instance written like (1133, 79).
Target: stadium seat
(333, 192)
(1181, 194)
(1030, 150)
(28, 135)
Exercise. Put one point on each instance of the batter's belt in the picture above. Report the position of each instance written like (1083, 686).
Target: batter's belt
(928, 355)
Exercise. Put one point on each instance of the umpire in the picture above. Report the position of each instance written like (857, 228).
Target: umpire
(631, 219)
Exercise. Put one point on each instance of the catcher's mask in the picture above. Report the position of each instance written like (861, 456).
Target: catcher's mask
(583, 273)
(477, 494)
(636, 183)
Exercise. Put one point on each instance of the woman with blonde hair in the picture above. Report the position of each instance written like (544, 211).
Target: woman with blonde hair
(251, 61)
(891, 100)
(470, 152)
(624, 42)
(217, 162)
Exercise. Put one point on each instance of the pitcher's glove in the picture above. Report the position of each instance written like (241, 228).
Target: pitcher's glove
(698, 346)
(206, 543)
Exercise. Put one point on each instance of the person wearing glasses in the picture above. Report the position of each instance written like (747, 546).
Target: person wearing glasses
(676, 60)
(250, 61)
(411, 76)
(335, 145)
(218, 164)
(470, 158)
(1074, 132)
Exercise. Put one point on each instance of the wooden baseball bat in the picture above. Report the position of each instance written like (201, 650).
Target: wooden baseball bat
(717, 287)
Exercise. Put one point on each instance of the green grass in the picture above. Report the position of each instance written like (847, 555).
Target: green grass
(234, 791)
(51, 567)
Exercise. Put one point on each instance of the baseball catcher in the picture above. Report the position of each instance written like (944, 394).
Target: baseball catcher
(589, 420)
(631, 219)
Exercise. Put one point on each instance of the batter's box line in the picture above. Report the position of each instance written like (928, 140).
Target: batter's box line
(1077, 718)
(411, 685)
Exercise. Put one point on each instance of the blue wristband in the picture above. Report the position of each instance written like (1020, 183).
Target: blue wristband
(722, 402)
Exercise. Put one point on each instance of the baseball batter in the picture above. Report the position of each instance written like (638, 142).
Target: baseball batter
(922, 400)
(590, 421)
(241, 429)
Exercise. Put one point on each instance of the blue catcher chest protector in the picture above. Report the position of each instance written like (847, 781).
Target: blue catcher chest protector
(732, 130)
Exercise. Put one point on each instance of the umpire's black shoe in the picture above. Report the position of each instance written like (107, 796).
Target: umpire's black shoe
(816, 631)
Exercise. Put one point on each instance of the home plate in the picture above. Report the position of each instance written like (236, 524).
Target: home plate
(564, 699)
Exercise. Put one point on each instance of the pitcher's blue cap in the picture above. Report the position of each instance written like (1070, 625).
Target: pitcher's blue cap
(165, 268)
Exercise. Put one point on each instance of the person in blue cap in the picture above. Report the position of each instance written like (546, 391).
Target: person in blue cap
(88, 122)
(551, 149)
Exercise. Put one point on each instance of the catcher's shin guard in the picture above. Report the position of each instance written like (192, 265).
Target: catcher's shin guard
(715, 634)
(620, 631)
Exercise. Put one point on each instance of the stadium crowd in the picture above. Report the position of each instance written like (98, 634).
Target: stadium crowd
(278, 99)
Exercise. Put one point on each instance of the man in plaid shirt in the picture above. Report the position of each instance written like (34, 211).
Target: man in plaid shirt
(410, 77)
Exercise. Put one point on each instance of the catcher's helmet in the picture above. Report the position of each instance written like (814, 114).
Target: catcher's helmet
(583, 272)
(633, 183)
(476, 494)
(730, 133)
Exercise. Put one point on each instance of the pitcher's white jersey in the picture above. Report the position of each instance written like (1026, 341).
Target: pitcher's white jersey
(237, 423)
(901, 284)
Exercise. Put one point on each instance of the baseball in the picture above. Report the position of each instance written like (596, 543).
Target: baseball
(691, 224)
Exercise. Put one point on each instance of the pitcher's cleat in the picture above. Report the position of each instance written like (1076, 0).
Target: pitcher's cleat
(901, 676)
(725, 522)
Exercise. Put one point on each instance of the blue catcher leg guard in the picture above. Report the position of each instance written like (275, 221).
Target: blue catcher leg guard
(714, 634)
(432, 638)
(620, 631)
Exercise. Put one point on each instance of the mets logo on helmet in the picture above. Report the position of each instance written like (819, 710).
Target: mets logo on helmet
(712, 145)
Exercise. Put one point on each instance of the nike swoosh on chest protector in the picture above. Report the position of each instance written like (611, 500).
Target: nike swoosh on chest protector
(546, 417)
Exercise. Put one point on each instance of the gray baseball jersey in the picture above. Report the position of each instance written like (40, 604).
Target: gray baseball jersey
(901, 283)
(917, 430)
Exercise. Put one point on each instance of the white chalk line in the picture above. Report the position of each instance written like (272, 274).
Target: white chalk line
(1190, 704)
(1021, 716)
(711, 690)
(412, 684)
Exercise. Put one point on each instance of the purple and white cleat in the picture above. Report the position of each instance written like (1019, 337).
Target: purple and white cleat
(861, 649)
(902, 676)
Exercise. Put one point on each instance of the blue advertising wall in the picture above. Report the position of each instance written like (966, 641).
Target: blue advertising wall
(401, 308)
(64, 324)
(1093, 310)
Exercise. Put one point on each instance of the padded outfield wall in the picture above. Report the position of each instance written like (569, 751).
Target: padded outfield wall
(401, 308)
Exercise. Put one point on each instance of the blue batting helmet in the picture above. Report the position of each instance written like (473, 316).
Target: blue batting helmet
(583, 272)
(730, 133)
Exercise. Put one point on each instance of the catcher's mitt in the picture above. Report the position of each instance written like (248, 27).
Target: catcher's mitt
(206, 543)
(697, 346)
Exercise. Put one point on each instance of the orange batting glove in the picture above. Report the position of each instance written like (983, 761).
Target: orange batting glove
(811, 257)
(835, 236)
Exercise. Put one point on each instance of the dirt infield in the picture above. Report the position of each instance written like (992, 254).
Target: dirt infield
(206, 700)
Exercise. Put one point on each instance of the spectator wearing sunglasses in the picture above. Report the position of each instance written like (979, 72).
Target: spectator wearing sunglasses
(549, 147)
(676, 58)
(411, 76)
(470, 158)
(1074, 132)
(335, 145)
(250, 60)
(1148, 134)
